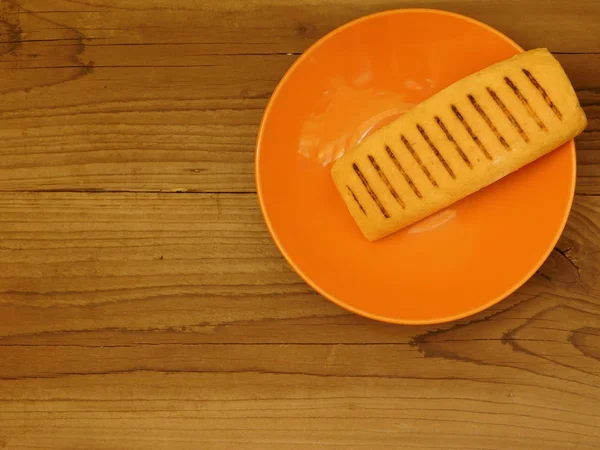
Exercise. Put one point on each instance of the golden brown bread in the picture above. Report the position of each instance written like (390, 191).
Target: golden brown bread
(460, 140)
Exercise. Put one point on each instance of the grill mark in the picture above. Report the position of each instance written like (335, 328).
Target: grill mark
(462, 154)
(370, 191)
(436, 151)
(418, 160)
(528, 107)
(386, 181)
(356, 200)
(471, 132)
(508, 114)
(487, 120)
(403, 172)
(542, 91)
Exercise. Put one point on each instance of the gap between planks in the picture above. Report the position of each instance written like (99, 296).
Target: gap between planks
(124, 191)
(159, 191)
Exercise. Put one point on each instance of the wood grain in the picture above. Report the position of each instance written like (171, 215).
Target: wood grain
(143, 303)
(172, 318)
(123, 96)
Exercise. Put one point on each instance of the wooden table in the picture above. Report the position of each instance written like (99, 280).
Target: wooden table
(143, 304)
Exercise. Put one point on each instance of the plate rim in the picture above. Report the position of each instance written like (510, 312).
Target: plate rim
(308, 280)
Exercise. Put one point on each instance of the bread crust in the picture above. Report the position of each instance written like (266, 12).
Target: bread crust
(458, 141)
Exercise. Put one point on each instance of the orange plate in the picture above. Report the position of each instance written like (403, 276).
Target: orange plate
(448, 266)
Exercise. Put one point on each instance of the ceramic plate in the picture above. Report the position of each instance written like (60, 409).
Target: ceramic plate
(448, 266)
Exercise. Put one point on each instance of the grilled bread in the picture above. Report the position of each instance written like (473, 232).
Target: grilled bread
(460, 140)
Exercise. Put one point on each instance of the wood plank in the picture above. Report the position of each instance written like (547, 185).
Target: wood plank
(273, 26)
(268, 410)
(83, 258)
(171, 321)
(167, 115)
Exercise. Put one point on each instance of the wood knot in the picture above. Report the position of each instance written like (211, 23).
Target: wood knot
(586, 339)
(304, 30)
(10, 29)
(560, 266)
(61, 62)
(10, 37)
